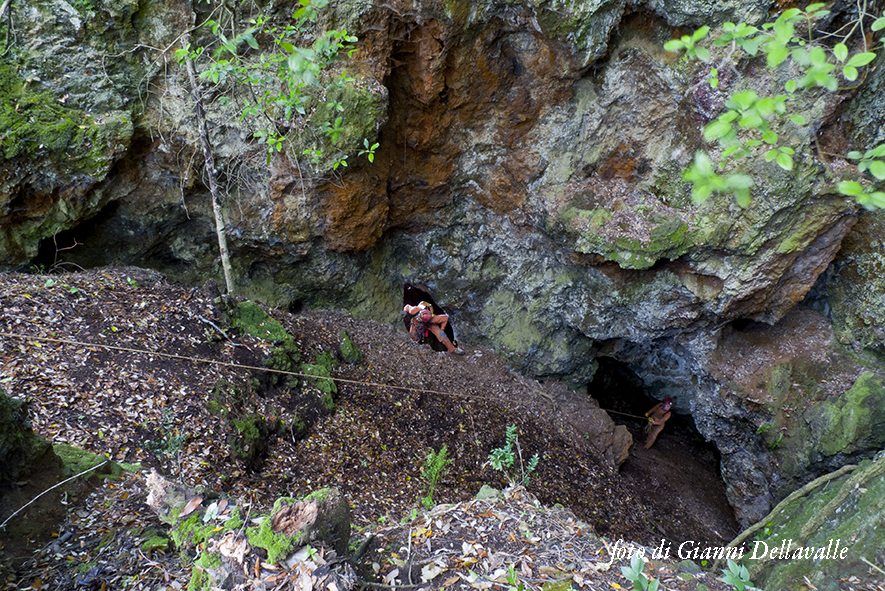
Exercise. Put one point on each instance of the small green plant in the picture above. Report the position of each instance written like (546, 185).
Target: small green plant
(765, 532)
(504, 459)
(513, 579)
(737, 575)
(171, 439)
(634, 574)
(434, 465)
(777, 442)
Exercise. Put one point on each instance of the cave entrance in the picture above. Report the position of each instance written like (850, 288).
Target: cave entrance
(680, 475)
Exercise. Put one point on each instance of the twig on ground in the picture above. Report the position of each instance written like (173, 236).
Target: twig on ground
(23, 507)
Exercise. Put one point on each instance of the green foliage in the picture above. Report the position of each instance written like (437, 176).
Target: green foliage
(749, 124)
(513, 579)
(737, 575)
(689, 44)
(434, 465)
(170, 438)
(634, 574)
(504, 459)
(776, 443)
(285, 80)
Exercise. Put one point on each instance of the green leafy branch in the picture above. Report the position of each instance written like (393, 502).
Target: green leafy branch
(286, 78)
(737, 576)
(435, 464)
(749, 123)
(634, 574)
(504, 459)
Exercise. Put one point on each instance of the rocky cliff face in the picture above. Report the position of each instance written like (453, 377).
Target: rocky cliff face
(529, 173)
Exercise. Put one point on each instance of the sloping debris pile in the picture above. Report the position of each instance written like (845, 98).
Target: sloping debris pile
(510, 540)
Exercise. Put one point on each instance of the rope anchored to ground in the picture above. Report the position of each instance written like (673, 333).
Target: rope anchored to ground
(224, 363)
(256, 368)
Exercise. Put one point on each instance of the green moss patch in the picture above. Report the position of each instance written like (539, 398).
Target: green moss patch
(278, 545)
(34, 123)
(253, 320)
(77, 460)
(349, 351)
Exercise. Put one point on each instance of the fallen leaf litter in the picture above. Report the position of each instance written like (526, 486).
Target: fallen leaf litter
(151, 410)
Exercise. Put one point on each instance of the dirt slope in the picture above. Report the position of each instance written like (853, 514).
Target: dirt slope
(92, 385)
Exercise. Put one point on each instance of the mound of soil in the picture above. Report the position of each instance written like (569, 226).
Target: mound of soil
(117, 361)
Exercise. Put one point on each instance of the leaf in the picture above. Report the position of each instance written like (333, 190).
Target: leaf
(674, 45)
(716, 129)
(879, 24)
(703, 163)
(702, 54)
(769, 137)
(740, 181)
(765, 106)
(700, 33)
(191, 506)
(840, 51)
(790, 86)
(850, 73)
(877, 167)
(852, 188)
(776, 55)
(745, 99)
(751, 46)
(861, 59)
(798, 119)
(785, 161)
(250, 40)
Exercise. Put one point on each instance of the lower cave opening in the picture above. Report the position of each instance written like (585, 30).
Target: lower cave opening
(680, 474)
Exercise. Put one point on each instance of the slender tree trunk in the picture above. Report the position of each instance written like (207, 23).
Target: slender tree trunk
(210, 171)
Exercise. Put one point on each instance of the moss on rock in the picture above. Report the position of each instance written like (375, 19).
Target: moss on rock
(253, 320)
(849, 510)
(78, 460)
(349, 351)
(325, 363)
(851, 422)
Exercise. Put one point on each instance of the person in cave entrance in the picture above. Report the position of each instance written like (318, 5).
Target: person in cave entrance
(657, 416)
(424, 322)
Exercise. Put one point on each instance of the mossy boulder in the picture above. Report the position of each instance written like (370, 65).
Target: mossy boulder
(249, 439)
(323, 516)
(21, 450)
(77, 460)
(848, 511)
(349, 350)
(253, 320)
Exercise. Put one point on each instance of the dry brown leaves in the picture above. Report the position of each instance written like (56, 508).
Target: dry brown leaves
(506, 541)
(144, 408)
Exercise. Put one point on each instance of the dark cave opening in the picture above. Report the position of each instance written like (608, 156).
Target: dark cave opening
(627, 398)
(680, 474)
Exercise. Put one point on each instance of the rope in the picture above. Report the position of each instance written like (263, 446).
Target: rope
(253, 367)
(226, 363)
(625, 414)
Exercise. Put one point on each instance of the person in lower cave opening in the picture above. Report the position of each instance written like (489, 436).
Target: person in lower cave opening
(425, 322)
(657, 416)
